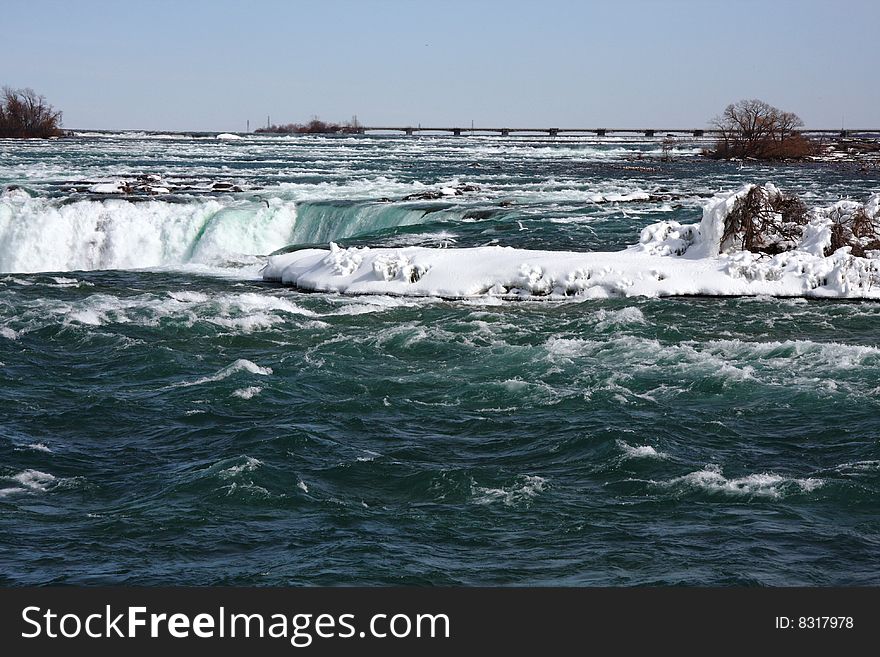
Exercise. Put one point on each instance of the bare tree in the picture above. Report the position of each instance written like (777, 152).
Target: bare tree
(786, 124)
(24, 113)
(753, 128)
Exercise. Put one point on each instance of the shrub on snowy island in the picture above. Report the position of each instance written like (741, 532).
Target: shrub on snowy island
(764, 220)
(314, 127)
(24, 113)
(856, 226)
(757, 130)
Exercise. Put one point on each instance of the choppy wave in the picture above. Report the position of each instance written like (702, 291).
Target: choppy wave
(639, 451)
(523, 490)
(240, 365)
(239, 313)
(712, 480)
(28, 482)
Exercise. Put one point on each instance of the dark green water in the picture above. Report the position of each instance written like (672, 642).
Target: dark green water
(190, 424)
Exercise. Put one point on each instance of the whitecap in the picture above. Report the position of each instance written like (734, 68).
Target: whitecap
(615, 318)
(524, 490)
(249, 464)
(61, 281)
(247, 393)
(858, 467)
(240, 365)
(247, 488)
(88, 317)
(639, 451)
(711, 480)
(28, 481)
(188, 296)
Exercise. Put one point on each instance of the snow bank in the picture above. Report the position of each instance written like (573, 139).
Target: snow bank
(670, 259)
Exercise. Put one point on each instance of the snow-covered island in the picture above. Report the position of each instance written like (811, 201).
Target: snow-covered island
(754, 241)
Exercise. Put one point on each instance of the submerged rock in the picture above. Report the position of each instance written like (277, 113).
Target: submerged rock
(150, 184)
(443, 192)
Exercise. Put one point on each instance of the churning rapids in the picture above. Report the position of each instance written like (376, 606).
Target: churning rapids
(435, 360)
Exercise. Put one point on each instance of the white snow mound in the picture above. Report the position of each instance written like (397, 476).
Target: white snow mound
(670, 259)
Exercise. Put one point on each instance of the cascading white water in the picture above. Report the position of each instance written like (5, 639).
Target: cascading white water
(41, 234)
(37, 234)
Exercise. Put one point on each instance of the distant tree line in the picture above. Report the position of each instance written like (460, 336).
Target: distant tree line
(25, 113)
(314, 127)
(755, 129)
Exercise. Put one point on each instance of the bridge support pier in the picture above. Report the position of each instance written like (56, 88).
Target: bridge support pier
(505, 132)
(456, 132)
(553, 132)
(698, 133)
(601, 132)
(649, 133)
(409, 131)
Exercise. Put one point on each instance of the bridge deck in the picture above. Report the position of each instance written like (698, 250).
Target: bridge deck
(602, 132)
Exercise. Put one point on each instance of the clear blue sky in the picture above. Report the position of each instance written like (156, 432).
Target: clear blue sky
(211, 65)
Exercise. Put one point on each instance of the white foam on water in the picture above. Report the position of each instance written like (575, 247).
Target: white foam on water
(28, 481)
(443, 238)
(569, 348)
(802, 365)
(824, 355)
(314, 324)
(526, 488)
(247, 393)
(302, 486)
(247, 324)
(640, 451)
(243, 313)
(189, 296)
(249, 302)
(131, 134)
(88, 317)
(360, 188)
(712, 480)
(375, 304)
(39, 447)
(61, 281)
(370, 455)
(16, 281)
(247, 488)
(240, 365)
(623, 317)
(248, 464)
(858, 467)
(8, 333)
